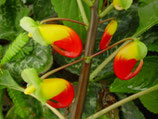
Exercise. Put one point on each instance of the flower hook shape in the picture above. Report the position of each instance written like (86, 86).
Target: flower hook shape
(127, 58)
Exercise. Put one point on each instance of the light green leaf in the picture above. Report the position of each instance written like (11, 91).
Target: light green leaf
(33, 55)
(148, 16)
(150, 101)
(2, 2)
(146, 78)
(15, 47)
(7, 81)
(69, 9)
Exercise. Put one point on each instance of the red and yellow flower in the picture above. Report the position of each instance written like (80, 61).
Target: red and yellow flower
(127, 58)
(107, 35)
(57, 92)
(62, 38)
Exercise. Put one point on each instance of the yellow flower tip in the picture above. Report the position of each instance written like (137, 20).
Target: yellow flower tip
(29, 90)
(112, 27)
(117, 4)
(29, 34)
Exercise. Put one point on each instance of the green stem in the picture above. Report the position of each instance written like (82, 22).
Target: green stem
(121, 102)
(105, 62)
(89, 3)
(109, 8)
(84, 16)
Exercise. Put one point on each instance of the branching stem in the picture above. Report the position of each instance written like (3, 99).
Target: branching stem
(61, 19)
(81, 59)
(106, 20)
(123, 101)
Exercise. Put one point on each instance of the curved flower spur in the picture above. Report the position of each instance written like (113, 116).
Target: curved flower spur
(107, 35)
(126, 59)
(62, 38)
(57, 92)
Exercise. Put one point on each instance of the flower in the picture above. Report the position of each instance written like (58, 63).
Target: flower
(127, 58)
(107, 35)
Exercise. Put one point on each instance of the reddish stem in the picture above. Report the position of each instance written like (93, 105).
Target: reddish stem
(83, 58)
(85, 71)
(61, 19)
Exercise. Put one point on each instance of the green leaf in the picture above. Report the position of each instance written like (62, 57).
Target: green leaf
(19, 101)
(148, 16)
(34, 107)
(43, 9)
(146, 78)
(7, 81)
(2, 2)
(125, 4)
(146, 1)
(1, 103)
(15, 47)
(150, 101)
(47, 114)
(129, 110)
(70, 10)
(153, 46)
(91, 100)
(10, 14)
(33, 56)
(150, 38)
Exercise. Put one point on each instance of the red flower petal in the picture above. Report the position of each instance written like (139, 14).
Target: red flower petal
(105, 41)
(123, 68)
(64, 99)
(70, 46)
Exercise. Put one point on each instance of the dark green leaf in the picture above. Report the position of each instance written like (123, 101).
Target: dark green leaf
(43, 9)
(148, 16)
(146, 78)
(150, 38)
(69, 9)
(91, 100)
(33, 55)
(10, 14)
(7, 81)
(34, 107)
(150, 101)
(129, 110)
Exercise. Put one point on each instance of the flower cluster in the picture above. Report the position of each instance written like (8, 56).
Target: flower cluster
(58, 92)
(127, 57)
